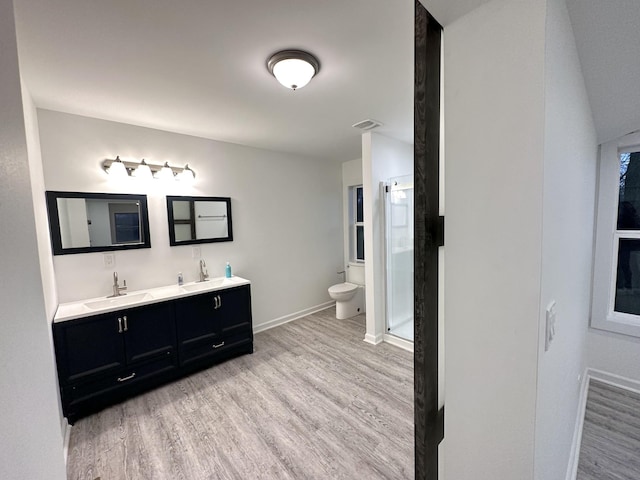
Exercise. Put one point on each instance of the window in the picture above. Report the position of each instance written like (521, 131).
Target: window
(627, 236)
(616, 282)
(356, 221)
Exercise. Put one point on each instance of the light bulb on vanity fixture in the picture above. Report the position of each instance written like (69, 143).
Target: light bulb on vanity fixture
(187, 175)
(145, 171)
(117, 169)
(142, 171)
(293, 68)
(165, 173)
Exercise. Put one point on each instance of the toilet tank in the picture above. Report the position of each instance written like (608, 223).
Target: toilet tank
(355, 273)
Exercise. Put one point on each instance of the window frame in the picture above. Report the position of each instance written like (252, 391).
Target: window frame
(353, 228)
(607, 241)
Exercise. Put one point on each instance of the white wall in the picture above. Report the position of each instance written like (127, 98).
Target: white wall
(382, 158)
(287, 223)
(30, 445)
(570, 161)
(494, 131)
(42, 231)
(614, 353)
(39, 206)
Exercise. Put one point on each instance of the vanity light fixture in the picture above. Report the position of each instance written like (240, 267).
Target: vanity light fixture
(143, 170)
(293, 68)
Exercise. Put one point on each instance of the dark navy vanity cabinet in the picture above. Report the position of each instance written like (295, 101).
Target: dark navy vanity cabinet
(105, 358)
(214, 324)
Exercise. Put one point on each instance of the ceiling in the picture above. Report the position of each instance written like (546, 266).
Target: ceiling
(199, 67)
(608, 38)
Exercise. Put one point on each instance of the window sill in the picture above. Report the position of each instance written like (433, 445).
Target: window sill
(622, 323)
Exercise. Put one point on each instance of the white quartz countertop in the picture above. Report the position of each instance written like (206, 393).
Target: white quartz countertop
(95, 306)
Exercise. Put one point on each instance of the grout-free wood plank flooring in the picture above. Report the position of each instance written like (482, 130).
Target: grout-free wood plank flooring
(314, 401)
(610, 448)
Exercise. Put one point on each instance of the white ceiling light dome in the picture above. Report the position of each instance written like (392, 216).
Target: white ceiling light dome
(293, 68)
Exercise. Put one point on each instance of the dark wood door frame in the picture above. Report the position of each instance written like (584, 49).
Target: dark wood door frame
(429, 235)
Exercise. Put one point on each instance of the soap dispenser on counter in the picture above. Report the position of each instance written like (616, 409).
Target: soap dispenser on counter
(227, 270)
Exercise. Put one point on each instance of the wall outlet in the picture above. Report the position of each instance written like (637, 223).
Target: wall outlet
(109, 260)
(550, 329)
(196, 253)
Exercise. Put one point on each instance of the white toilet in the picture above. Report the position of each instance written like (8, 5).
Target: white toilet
(350, 295)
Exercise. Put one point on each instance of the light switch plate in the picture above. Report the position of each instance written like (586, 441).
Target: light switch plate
(196, 253)
(550, 328)
(109, 260)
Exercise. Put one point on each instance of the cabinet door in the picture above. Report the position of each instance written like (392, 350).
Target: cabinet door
(197, 320)
(150, 332)
(235, 311)
(88, 347)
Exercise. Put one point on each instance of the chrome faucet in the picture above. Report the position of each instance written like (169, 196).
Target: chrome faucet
(117, 289)
(204, 275)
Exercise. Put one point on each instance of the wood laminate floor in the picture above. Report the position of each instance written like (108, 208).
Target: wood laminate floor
(312, 402)
(610, 448)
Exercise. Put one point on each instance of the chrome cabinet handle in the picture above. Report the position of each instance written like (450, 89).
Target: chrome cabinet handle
(120, 379)
(119, 325)
(217, 302)
(126, 324)
(221, 344)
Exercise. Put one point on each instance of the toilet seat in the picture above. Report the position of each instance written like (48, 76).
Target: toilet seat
(345, 287)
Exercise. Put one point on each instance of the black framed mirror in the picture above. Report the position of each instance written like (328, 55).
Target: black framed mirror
(195, 220)
(97, 222)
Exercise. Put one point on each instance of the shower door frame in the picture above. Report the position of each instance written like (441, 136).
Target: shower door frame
(386, 192)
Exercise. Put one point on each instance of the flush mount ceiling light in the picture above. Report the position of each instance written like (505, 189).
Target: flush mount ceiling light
(293, 68)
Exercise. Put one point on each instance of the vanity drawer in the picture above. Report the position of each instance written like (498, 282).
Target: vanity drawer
(127, 377)
(213, 351)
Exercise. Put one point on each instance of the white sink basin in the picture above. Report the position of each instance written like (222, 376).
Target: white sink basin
(118, 301)
(206, 285)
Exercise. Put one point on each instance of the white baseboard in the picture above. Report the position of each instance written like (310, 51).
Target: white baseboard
(291, 317)
(572, 468)
(373, 339)
(67, 435)
(615, 380)
(398, 342)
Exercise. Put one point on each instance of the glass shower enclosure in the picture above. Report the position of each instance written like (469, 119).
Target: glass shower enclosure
(399, 256)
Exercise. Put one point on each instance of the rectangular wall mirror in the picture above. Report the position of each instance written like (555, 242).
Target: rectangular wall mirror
(199, 220)
(97, 222)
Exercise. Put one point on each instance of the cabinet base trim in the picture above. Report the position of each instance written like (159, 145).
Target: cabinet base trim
(291, 317)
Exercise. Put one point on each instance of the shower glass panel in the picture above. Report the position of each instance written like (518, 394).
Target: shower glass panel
(399, 253)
